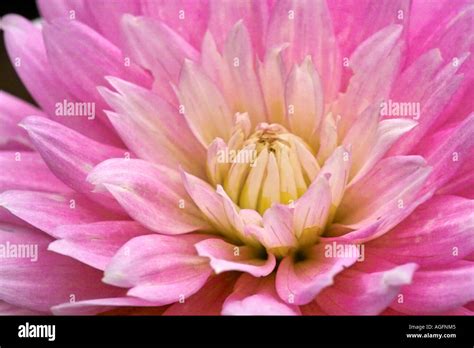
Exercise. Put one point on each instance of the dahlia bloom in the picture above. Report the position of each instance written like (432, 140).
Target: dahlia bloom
(208, 157)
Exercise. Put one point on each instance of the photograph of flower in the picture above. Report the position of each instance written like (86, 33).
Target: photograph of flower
(238, 157)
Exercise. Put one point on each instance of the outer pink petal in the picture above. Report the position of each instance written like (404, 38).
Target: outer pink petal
(25, 47)
(436, 233)
(72, 46)
(300, 282)
(454, 151)
(12, 111)
(356, 20)
(437, 94)
(95, 243)
(153, 195)
(70, 155)
(208, 300)
(359, 293)
(439, 289)
(188, 17)
(108, 14)
(50, 280)
(68, 9)
(95, 306)
(27, 171)
(8, 309)
(256, 296)
(228, 257)
(158, 268)
(47, 211)
(462, 183)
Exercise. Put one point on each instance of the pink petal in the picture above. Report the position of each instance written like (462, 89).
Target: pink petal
(436, 97)
(216, 207)
(379, 227)
(392, 184)
(95, 243)
(462, 183)
(375, 64)
(8, 309)
(328, 138)
(312, 210)
(48, 281)
(157, 48)
(63, 151)
(359, 293)
(356, 20)
(362, 136)
(208, 300)
(436, 233)
(336, 170)
(253, 13)
(68, 9)
(245, 94)
(206, 111)
(228, 257)
(451, 154)
(256, 296)
(72, 46)
(304, 93)
(444, 25)
(415, 80)
(146, 122)
(95, 306)
(137, 184)
(108, 14)
(47, 211)
(277, 233)
(300, 282)
(12, 111)
(188, 18)
(25, 46)
(272, 79)
(159, 268)
(388, 132)
(27, 171)
(440, 289)
(307, 26)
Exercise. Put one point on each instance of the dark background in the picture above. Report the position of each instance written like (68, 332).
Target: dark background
(9, 80)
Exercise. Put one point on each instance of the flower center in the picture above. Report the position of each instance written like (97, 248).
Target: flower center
(269, 166)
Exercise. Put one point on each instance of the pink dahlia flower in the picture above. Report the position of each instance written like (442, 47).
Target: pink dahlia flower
(239, 157)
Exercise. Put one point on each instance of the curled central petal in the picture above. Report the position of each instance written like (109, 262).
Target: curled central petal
(269, 166)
